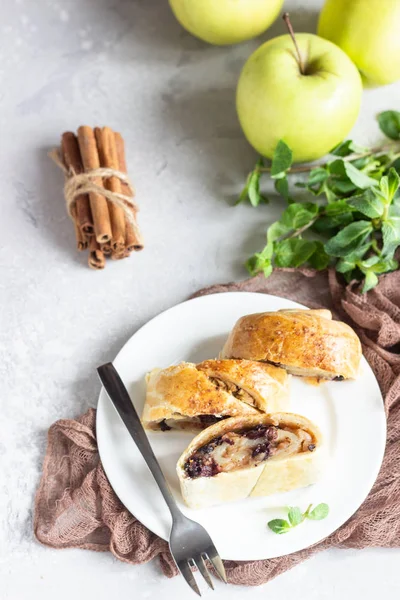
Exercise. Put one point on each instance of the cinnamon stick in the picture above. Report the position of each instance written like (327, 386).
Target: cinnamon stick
(119, 255)
(108, 158)
(72, 159)
(81, 239)
(81, 242)
(98, 204)
(133, 237)
(96, 258)
(106, 248)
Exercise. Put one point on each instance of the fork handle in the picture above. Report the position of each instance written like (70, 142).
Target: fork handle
(119, 396)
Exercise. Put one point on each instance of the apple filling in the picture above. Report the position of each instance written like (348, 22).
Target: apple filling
(233, 389)
(300, 372)
(247, 448)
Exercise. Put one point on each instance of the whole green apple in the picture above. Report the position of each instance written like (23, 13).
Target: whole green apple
(312, 111)
(369, 32)
(223, 22)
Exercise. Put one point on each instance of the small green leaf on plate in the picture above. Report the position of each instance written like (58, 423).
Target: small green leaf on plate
(294, 515)
(279, 525)
(318, 513)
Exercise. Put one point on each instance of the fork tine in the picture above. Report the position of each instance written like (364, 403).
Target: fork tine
(217, 563)
(186, 571)
(201, 565)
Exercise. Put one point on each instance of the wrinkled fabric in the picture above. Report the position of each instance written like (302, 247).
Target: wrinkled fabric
(75, 505)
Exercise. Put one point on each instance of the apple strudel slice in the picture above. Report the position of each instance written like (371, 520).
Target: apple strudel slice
(191, 397)
(304, 342)
(255, 455)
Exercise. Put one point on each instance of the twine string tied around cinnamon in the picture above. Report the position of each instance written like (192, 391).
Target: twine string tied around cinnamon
(77, 184)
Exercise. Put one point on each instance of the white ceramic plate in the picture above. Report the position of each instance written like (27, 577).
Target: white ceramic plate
(349, 413)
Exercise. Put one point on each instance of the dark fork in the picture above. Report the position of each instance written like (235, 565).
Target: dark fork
(189, 542)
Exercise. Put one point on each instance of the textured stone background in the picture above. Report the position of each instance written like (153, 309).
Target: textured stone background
(127, 64)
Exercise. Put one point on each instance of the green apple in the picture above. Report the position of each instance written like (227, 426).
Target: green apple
(223, 22)
(312, 111)
(369, 32)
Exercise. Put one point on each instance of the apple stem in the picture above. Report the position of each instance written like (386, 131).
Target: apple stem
(286, 18)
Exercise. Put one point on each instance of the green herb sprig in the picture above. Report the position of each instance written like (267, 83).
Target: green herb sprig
(352, 209)
(295, 517)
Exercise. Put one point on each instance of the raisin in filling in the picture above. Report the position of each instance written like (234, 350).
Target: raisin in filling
(201, 464)
(261, 431)
(210, 419)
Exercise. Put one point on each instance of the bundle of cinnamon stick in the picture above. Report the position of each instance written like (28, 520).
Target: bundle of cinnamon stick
(105, 226)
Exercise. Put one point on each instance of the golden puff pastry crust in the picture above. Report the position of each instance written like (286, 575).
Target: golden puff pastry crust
(232, 467)
(304, 342)
(188, 396)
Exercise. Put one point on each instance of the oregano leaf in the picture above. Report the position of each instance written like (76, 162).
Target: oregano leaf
(245, 191)
(282, 187)
(349, 238)
(339, 207)
(254, 188)
(267, 270)
(299, 214)
(317, 176)
(370, 281)
(277, 230)
(344, 265)
(346, 148)
(360, 179)
(393, 183)
(390, 235)
(368, 204)
(327, 225)
(319, 260)
(389, 123)
(281, 160)
(293, 252)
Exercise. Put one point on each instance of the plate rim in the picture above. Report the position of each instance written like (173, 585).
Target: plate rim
(102, 397)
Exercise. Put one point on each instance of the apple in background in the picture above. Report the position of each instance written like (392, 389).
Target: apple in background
(222, 22)
(369, 32)
(312, 111)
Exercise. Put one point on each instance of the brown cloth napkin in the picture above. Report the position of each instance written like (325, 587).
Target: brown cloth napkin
(76, 506)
